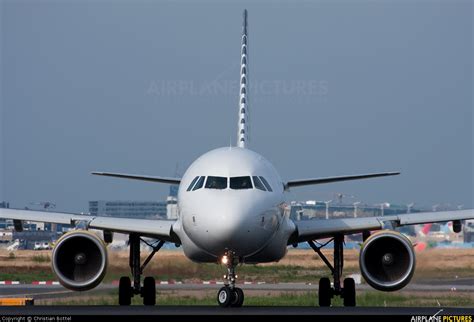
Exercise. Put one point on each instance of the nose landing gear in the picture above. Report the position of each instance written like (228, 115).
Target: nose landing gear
(229, 295)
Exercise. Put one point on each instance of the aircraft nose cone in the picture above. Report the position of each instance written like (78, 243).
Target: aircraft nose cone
(229, 227)
(230, 221)
(232, 230)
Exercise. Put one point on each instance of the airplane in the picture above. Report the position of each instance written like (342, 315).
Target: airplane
(231, 204)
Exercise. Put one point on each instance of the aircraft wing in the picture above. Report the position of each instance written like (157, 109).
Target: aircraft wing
(160, 229)
(139, 177)
(311, 181)
(321, 228)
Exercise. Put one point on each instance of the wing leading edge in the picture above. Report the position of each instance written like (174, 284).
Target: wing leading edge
(139, 177)
(161, 229)
(311, 181)
(320, 228)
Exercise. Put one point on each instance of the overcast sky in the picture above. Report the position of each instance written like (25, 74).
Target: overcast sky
(339, 87)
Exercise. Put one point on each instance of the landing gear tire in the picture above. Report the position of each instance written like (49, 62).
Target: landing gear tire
(238, 300)
(149, 291)
(345, 290)
(324, 292)
(225, 296)
(125, 291)
(349, 292)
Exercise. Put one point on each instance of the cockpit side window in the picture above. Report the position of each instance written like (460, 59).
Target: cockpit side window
(265, 182)
(199, 184)
(216, 182)
(240, 183)
(258, 184)
(192, 183)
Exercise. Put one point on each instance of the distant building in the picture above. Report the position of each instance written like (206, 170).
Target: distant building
(172, 203)
(3, 222)
(174, 190)
(130, 209)
(28, 238)
(317, 209)
(171, 207)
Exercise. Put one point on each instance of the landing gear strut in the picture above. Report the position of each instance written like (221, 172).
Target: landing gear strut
(148, 290)
(229, 295)
(326, 292)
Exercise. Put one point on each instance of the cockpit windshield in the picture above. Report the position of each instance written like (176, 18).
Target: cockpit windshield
(265, 182)
(240, 183)
(258, 184)
(216, 183)
(192, 183)
(235, 183)
(200, 183)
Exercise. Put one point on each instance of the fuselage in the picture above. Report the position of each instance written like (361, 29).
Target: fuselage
(231, 199)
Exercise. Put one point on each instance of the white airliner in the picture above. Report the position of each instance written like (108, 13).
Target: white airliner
(231, 211)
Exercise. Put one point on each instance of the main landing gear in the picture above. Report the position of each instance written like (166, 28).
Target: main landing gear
(326, 292)
(229, 295)
(148, 289)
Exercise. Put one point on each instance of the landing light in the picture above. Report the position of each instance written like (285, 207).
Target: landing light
(225, 259)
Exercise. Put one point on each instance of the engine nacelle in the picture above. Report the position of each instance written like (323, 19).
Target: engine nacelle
(79, 260)
(387, 260)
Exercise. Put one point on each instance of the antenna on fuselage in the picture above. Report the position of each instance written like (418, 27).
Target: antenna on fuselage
(242, 135)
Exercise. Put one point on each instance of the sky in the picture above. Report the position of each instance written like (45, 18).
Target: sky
(338, 87)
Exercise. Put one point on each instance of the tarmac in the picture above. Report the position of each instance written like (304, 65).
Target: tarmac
(215, 310)
(57, 291)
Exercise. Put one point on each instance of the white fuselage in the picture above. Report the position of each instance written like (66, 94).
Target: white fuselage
(249, 221)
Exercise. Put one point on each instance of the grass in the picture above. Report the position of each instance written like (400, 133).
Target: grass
(368, 298)
(41, 258)
(298, 266)
(28, 277)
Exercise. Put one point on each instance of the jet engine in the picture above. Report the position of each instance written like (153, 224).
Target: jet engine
(79, 260)
(387, 260)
